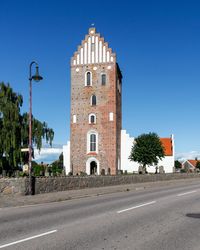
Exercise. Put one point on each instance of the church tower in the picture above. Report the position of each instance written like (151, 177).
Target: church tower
(95, 108)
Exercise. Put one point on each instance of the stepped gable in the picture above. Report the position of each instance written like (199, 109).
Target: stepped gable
(93, 50)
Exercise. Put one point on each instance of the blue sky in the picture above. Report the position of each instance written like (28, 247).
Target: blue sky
(158, 50)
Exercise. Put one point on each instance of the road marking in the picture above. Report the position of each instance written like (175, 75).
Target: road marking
(29, 238)
(130, 208)
(194, 191)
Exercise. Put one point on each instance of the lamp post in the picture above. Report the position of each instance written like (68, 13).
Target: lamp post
(36, 78)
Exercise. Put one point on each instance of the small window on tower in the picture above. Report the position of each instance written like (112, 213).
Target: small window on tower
(103, 79)
(93, 100)
(92, 119)
(92, 143)
(88, 79)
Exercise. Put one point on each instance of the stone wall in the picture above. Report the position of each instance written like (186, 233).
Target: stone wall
(55, 184)
(13, 186)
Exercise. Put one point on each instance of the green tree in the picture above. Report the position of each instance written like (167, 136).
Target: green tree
(198, 165)
(147, 149)
(38, 169)
(177, 164)
(57, 166)
(10, 132)
(40, 131)
(14, 129)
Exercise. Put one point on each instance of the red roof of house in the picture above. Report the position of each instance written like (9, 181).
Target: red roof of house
(167, 144)
(193, 162)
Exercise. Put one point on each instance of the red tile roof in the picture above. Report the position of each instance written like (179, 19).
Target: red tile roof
(167, 144)
(193, 162)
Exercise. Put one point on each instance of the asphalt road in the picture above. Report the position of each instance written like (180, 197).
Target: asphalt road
(157, 218)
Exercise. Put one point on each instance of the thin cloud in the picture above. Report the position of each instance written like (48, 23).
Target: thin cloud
(187, 155)
(48, 155)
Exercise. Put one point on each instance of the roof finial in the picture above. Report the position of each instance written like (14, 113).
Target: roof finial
(92, 29)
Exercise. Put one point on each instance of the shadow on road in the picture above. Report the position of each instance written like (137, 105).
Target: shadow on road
(196, 216)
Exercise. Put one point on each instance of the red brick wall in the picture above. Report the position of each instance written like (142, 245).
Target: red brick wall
(108, 100)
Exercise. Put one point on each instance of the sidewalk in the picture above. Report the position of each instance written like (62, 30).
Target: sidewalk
(19, 200)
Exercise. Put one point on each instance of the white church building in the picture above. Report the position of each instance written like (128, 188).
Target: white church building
(166, 165)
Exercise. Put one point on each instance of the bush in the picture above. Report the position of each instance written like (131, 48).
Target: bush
(38, 170)
(56, 169)
(23, 174)
(183, 170)
(83, 174)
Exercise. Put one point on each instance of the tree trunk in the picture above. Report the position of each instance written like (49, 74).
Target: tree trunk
(144, 170)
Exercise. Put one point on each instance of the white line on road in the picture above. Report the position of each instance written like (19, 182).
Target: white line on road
(29, 238)
(130, 208)
(194, 191)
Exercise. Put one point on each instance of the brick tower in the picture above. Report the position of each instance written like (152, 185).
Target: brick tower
(95, 108)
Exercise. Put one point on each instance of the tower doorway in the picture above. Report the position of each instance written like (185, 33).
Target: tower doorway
(93, 168)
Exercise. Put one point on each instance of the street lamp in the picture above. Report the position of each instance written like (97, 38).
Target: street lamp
(36, 78)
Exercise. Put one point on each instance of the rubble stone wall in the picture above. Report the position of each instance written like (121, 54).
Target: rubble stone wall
(55, 184)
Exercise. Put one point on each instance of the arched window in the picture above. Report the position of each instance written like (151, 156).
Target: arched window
(93, 100)
(103, 79)
(88, 79)
(93, 143)
(92, 119)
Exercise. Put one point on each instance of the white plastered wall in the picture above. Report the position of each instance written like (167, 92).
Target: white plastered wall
(130, 166)
(66, 157)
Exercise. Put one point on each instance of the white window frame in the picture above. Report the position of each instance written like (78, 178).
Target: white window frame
(95, 119)
(86, 78)
(88, 141)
